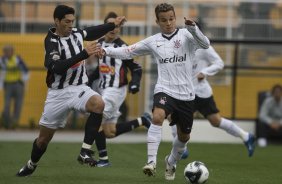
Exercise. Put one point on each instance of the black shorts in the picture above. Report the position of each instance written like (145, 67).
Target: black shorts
(206, 106)
(181, 111)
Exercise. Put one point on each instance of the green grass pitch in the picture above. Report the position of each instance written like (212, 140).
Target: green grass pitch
(227, 164)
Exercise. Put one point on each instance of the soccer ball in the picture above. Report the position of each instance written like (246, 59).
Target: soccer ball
(196, 172)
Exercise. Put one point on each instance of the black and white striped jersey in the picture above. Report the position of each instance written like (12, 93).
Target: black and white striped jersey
(174, 55)
(113, 72)
(64, 56)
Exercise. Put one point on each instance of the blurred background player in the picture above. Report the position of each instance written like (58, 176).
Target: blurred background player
(66, 80)
(14, 75)
(173, 51)
(270, 116)
(112, 85)
(208, 63)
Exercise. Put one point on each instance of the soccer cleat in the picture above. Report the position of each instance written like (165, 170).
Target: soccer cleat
(250, 144)
(146, 120)
(103, 163)
(150, 169)
(170, 170)
(27, 170)
(185, 154)
(85, 157)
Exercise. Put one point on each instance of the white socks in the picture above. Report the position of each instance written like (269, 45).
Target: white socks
(174, 131)
(154, 137)
(231, 128)
(177, 151)
(86, 146)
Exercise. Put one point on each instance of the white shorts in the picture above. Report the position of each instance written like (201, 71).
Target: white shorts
(60, 102)
(113, 98)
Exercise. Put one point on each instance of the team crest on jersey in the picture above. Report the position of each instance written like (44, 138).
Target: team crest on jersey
(163, 100)
(177, 44)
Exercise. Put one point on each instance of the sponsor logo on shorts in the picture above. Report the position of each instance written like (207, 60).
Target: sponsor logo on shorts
(81, 94)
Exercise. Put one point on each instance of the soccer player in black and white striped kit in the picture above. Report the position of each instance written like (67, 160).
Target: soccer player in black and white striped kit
(113, 85)
(173, 51)
(66, 80)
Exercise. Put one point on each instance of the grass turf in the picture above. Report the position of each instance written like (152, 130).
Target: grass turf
(227, 164)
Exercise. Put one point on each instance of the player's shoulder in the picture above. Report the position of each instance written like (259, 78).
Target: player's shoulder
(51, 36)
(120, 42)
(76, 31)
(153, 38)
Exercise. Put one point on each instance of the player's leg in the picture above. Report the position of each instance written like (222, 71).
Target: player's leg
(184, 124)
(178, 149)
(162, 107)
(84, 99)
(38, 149)
(113, 98)
(233, 129)
(229, 126)
(101, 145)
(53, 117)
(174, 134)
(144, 120)
(209, 109)
(154, 136)
(95, 106)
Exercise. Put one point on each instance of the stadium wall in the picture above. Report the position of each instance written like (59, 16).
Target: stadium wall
(249, 83)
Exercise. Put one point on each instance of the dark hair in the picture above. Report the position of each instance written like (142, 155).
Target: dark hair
(62, 10)
(163, 7)
(276, 87)
(110, 15)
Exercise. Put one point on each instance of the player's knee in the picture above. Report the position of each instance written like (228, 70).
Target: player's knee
(99, 106)
(96, 104)
(215, 123)
(110, 134)
(158, 119)
(184, 137)
(214, 119)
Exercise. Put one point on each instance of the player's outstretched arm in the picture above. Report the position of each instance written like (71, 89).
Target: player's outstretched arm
(202, 40)
(95, 32)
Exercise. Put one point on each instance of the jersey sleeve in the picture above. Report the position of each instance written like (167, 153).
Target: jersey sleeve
(138, 49)
(135, 70)
(214, 60)
(95, 32)
(53, 61)
(198, 36)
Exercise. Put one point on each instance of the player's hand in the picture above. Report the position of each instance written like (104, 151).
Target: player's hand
(120, 21)
(99, 51)
(200, 76)
(275, 125)
(133, 87)
(90, 48)
(189, 22)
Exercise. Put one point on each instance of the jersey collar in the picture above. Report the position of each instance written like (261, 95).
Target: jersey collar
(171, 36)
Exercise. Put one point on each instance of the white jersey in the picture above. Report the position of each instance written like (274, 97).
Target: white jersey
(174, 55)
(207, 62)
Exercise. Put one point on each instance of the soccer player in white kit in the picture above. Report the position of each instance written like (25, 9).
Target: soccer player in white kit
(173, 51)
(66, 80)
(208, 63)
